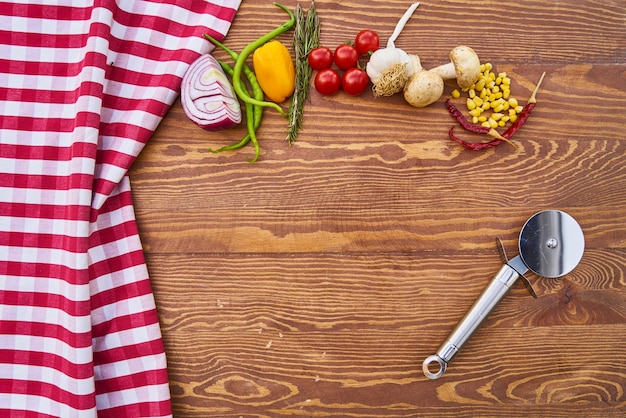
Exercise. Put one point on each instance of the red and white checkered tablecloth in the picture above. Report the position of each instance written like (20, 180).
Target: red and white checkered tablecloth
(83, 84)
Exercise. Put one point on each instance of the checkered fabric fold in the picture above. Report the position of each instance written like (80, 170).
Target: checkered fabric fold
(83, 85)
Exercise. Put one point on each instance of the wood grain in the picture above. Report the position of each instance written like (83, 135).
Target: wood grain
(314, 282)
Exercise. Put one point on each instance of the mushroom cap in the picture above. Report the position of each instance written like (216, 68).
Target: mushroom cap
(423, 88)
(466, 65)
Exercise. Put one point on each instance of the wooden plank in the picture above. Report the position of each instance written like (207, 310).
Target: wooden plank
(298, 375)
(356, 328)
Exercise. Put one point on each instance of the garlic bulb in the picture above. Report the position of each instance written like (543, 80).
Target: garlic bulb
(390, 68)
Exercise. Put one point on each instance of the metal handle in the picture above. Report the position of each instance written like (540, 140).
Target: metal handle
(488, 300)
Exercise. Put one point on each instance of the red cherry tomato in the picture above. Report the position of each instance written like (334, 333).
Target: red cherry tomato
(327, 81)
(346, 56)
(367, 41)
(354, 81)
(320, 58)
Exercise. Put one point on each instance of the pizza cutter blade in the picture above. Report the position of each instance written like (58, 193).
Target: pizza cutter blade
(551, 244)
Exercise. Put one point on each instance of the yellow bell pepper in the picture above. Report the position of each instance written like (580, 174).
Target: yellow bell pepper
(275, 71)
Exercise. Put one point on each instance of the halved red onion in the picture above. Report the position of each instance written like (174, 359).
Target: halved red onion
(207, 96)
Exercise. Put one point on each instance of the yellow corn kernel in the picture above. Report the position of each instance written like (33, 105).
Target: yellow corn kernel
(475, 120)
(519, 109)
(483, 93)
(513, 118)
(492, 97)
(470, 104)
(486, 105)
(506, 93)
(478, 101)
(476, 112)
(502, 74)
(456, 94)
(480, 84)
(488, 66)
(490, 84)
(495, 89)
(505, 118)
(513, 102)
(498, 80)
(506, 106)
(497, 102)
(472, 93)
(482, 119)
(512, 112)
(486, 124)
(492, 123)
(501, 123)
(482, 68)
(498, 108)
(506, 81)
(496, 116)
(492, 76)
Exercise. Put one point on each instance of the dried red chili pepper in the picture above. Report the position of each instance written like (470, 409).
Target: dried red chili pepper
(475, 146)
(458, 115)
(522, 118)
(469, 126)
(525, 113)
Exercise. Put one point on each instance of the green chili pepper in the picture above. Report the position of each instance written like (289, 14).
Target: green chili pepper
(257, 92)
(245, 53)
(228, 70)
(252, 122)
(251, 131)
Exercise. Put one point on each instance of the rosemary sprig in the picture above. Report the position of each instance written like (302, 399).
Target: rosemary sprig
(306, 37)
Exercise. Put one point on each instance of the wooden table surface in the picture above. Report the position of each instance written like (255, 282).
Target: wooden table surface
(316, 281)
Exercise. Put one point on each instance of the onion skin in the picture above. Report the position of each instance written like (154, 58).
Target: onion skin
(207, 97)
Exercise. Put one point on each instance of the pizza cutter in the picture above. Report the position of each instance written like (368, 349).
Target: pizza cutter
(551, 244)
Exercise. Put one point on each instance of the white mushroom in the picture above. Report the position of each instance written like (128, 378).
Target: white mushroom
(464, 66)
(423, 88)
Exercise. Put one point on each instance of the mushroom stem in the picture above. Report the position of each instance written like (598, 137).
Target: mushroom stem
(445, 71)
(464, 65)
